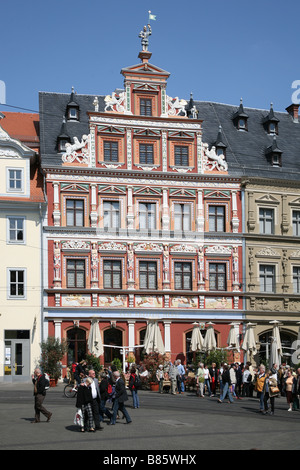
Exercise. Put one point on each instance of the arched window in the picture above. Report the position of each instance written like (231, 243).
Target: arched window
(77, 345)
(286, 338)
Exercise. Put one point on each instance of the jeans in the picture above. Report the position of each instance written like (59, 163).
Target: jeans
(207, 383)
(104, 410)
(261, 400)
(119, 406)
(135, 398)
(224, 393)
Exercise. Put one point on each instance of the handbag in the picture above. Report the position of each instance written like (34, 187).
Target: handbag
(274, 390)
(78, 418)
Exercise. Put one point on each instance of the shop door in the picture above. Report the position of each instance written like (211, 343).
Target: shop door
(17, 360)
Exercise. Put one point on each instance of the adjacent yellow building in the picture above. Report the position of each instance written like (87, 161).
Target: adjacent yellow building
(21, 209)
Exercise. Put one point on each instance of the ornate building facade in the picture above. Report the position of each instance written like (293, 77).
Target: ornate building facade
(144, 219)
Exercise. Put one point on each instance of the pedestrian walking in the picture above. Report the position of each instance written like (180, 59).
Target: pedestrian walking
(289, 389)
(213, 372)
(160, 378)
(84, 401)
(96, 399)
(271, 390)
(133, 386)
(247, 378)
(207, 379)
(173, 373)
(260, 386)
(180, 377)
(200, 380)
(40, 383)
(105, 393)
(226, 385)
(120, 398)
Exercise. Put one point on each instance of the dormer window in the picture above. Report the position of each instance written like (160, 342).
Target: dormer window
(72, 108)
(63, 137)
(219, 144)
(242, 124)
(270, 122)
(272, 128)
(240, 118)
(274, 154)
(73, 113)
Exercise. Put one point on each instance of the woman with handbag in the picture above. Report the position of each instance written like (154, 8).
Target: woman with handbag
(271, 391)
(260, 386)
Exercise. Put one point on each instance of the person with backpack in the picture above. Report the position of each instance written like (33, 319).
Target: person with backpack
(134, 383)
(41, 384)
(105, 393)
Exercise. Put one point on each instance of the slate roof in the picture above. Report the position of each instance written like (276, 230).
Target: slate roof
(245, 150)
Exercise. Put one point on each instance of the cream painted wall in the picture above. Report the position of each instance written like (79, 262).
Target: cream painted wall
(21, 314)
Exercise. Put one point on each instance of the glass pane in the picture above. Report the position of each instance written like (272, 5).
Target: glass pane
(71, 279)
(80, 279)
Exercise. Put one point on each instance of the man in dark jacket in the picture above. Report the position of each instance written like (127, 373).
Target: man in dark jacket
(96, 399)
(226, 385)
(104, 395)
(39, 381)
(120, 398)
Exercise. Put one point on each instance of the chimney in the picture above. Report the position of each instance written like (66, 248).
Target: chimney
(293, 111)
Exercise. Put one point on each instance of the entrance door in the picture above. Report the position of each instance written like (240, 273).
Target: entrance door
(17, 356)
(112, 337)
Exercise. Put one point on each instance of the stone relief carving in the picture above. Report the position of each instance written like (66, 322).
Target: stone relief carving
(175, 106)
(78, 151)
(214, 161)
(115, 102)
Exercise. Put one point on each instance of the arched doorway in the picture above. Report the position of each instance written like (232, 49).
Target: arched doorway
(287, 339)
(77, 345)
(112, 337)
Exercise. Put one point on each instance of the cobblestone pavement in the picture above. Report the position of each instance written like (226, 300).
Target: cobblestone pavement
(163, 423)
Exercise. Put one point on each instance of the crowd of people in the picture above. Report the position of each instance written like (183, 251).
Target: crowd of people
(106, 396)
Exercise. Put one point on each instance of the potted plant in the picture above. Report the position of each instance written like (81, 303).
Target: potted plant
(93, 362)
(52, 352)
(151, 362)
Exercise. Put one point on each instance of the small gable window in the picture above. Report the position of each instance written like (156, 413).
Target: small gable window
(270, 122)
(72, 108)
(240, 118)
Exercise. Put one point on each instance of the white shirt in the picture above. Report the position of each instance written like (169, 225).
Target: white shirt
(94, 391)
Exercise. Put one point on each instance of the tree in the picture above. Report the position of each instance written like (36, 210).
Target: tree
(52, 352)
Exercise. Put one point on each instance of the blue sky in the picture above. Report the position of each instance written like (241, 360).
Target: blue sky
(219, 50)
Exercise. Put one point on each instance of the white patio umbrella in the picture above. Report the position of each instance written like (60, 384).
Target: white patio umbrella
(153, 340)
(232, 339)
(196, 339)
(95, 344)
(276, 348)
(249, 343)
(210, 340)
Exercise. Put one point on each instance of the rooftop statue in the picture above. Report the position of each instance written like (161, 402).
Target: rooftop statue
(144, 34)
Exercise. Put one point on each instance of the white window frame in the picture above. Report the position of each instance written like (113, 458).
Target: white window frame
(16, 297)
(15, 190)
(15, 242)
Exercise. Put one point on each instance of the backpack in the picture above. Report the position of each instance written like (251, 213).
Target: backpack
(137, 382)
(47, 381)
(249, 378)
(109, 389)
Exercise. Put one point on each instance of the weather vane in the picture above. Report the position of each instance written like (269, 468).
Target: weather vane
(146, 32)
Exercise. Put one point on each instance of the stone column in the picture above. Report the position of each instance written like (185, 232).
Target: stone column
(167, 327)
(94, 215)
(56, 211)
